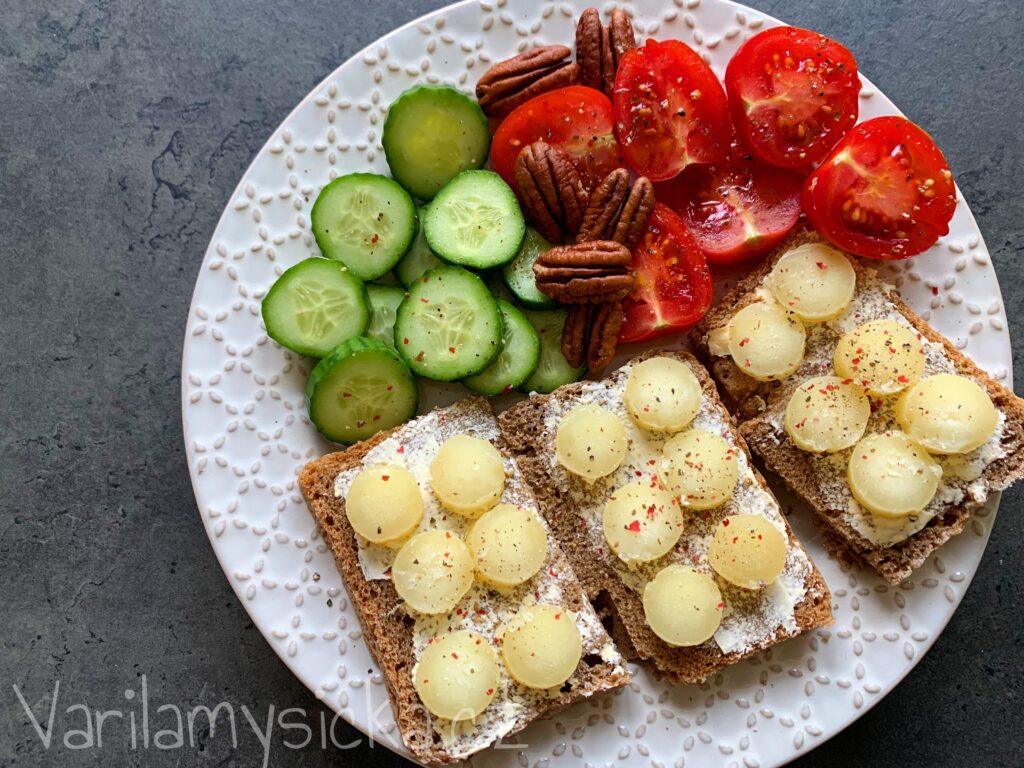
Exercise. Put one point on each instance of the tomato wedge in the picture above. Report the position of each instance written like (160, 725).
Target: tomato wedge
(793, 95)
(576, 119)
(670, 110)
(884, 192)
(735, 210)
(673, 288)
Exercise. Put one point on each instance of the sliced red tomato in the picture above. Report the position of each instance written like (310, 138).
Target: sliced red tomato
(670, 110)
(884, 192)
(793, 95)
(736, 210)
(576, 119)
(673, 285)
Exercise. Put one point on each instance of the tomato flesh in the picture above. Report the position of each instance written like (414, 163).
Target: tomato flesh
(673, 285)
(793, 94)
(575, 119)
(735, 210)
(670, 110)
(884, 192)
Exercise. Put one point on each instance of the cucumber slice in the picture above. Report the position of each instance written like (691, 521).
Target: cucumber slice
(516, 361)
(314, 306)
(553, 370)
(365, 221)
(449, 326)
(518, 273)
(359, 389)
(432, 133)
(475, 221)
(384, 301)
(419, 258)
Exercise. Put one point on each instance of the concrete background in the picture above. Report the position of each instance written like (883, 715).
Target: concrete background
(123, 128)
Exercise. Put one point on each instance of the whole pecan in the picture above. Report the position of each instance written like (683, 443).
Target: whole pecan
(591, 334)
(599, 48)
(618, 210)
(550, 189)
(515, 81)
(585, 273)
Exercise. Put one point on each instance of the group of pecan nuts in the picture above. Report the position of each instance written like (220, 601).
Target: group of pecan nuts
(589, 270)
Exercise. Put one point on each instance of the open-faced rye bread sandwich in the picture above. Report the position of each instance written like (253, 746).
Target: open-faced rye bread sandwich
(651, 492)
(468, 604)
(889, 434)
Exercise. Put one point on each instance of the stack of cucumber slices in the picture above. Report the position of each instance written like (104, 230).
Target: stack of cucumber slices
(430, 291)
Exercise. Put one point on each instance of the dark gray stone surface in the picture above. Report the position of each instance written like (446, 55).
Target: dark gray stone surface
(124, 126)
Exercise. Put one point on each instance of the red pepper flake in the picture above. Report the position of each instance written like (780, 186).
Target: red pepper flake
(385, 478)
(744, 341)
(634, 526)
(902, 379)
(490, 691)
(420, 356)
(455, 655)
(720, 606)
(401, 449)
(405, 341)
(725, 522)
(346, 394)
(375, 239)
(935, 291)
(821, 265)
(451, 350)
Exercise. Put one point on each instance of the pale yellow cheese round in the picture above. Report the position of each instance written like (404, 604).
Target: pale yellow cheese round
(641, 522)
(432, 571)
(883, 356)
(468, 475)
(590, 442)
(509, 545)
(947, 413)
(383, 503)
(748, 551)
(683, 606)
(765, 341)
(813, 281)
(891, 475)
(826, 414)
(700, 468)
(457, 675)
(542, 646)
(662, 394)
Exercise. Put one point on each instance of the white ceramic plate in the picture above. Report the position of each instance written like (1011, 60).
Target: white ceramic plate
(247, 434)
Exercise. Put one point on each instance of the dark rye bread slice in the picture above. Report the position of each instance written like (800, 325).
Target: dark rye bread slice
(387, 628)
(761, 403)
(522, 426)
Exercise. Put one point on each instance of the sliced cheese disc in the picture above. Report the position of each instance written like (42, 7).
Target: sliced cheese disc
(384, 503)
(457, 675)
(641, 522)
(683, 606)
(591, 442)
(432, 571)
(813, 281)
(542, 646)
(883, 356)
(748, 551)
(468, 475)
(662, 394)
(891, 475)
(509, 545)
(700, 468)
(947, 414)
(826, 414)
(765, 341)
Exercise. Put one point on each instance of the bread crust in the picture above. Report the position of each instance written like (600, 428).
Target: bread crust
(752, 399)
(387, 627)
(521, 426)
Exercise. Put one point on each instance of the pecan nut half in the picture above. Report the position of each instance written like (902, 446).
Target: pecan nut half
(618, 210)
(591, 333)
(513, 82)
(599, 48)
(586, 273)
(551, 191)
